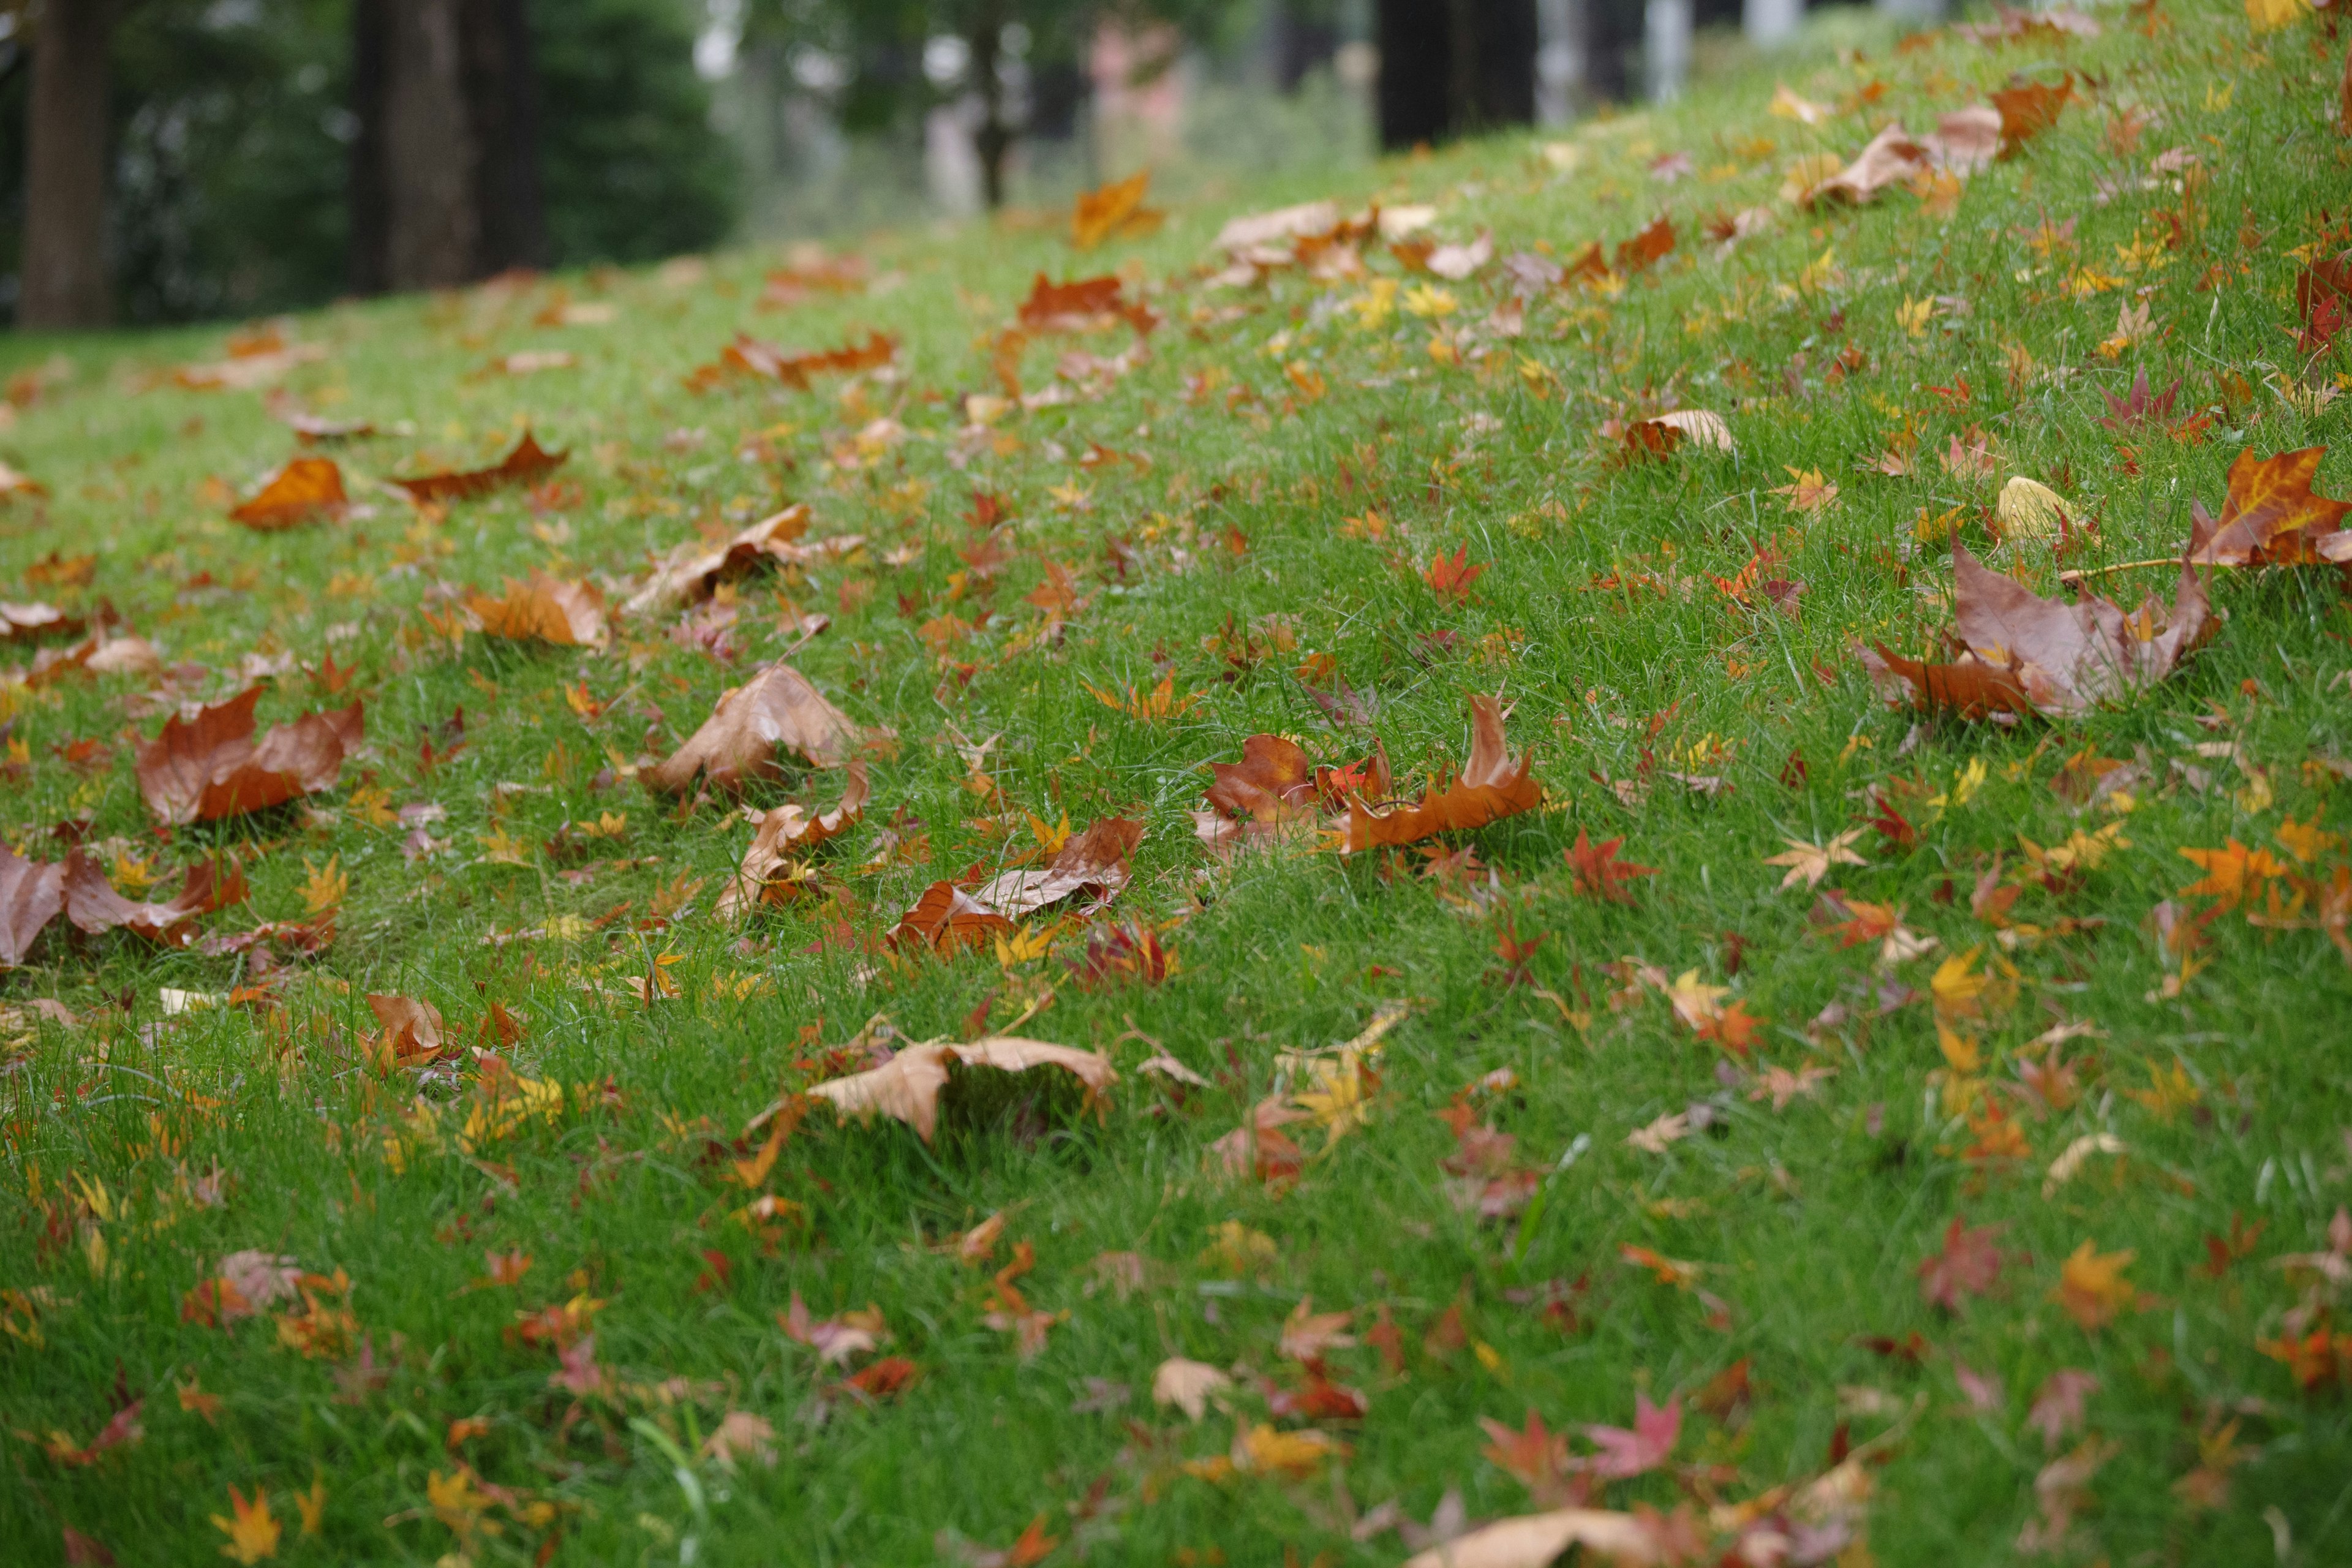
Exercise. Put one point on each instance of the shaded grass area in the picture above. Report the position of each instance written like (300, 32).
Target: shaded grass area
(1241, 550)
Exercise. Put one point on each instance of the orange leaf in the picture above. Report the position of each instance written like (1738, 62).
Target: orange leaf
(304, 489)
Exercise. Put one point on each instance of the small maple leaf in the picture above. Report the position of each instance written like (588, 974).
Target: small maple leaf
(1451, 579)
(1807, 491)
(1599, 872)
(2140, 408)
(2233, 873)
(2057, 1407)
(1644, 1448)
(1969, 1265)
(324, 887)
(2092, 1287)
(1812, 862)
(252, 1533)
(1307, 1333)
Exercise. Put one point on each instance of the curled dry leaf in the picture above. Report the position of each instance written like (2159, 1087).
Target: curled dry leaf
(777, 707)
(1536, 1540)
(947, 917)
(2269, 516)
(1187, 1385)
(749, 356)
(784, 829)
(1491, 787)
(1277, 789)
(32, 893)
(689, 573)
(27, 623)
(527, 462)
(2028, 508)
(907, 1087)
(1115, 209)
(1094, 862)
(304, 489)
(1662, 434)
(2028, 653)
(568, 615)
(412, 1029)
(213, 767)
(1963, 142)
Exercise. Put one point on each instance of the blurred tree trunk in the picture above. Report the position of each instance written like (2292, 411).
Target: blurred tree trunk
(503, 101)
(1452, 67)
(994, 139)
(64, 282)
(445, 173)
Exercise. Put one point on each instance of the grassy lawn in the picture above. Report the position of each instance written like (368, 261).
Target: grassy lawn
(1957, 1188)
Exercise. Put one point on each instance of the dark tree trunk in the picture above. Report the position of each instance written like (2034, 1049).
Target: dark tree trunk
(994, 139)
(434, 237)
(64, 282)
(368, 265)
(1450, 67)
(502, 104)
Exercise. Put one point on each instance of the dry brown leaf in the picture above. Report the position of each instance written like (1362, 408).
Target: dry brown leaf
(1491, 787)
(1536, 1540)
(527, 462)
(1187, 1385)
(32, 893)
(907, 1087)
(750, 355)
(2270, 515)
(13, 483)
(777, 707)
(2028, 654)
(412, 1029)
(27, 623)
(304, 489)
(1094, 862)
(692, 571)
(213, 767)
(568, 615)
(948, 917)
(784, 829)
(1115, 209)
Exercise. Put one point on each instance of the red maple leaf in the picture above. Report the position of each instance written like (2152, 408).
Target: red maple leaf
(1450, 580)
(1599, 871)
(1969, 1265)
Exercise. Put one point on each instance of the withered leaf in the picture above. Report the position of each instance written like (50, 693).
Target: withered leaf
(1114, 209)
(2028, 654)
(689, 573)
(304, 489)
(412, 1029)
(1491, 787)
(525, 464)
(786, 828)
(568, 615)
(948, 917)
(907, 1087)
(753, 357)
(777, 707)
(32, 893)
(1094, 862)
(213, 767)
(2269, 516)
(25, 623)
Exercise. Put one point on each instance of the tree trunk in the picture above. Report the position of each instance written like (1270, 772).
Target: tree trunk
(502, 107)
(432, 228)
(994, 139)
(64, 282)
(368, 261)
(1451, 68)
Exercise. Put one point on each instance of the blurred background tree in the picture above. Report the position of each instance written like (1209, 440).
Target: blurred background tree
(239, 176)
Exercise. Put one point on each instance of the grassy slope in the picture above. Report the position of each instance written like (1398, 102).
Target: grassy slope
(1292, 949)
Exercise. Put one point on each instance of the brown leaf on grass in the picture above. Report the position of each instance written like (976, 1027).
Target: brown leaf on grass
(13, 484)
(2026, 653)
(1662, 434)
(1536, 1540)
(213, 767)
(304, 489)
(907, 1087)
(568, 615)
(2269, 516)
(947, 917)
(1963, 142)
(27, 623)
(93, 906)
(32, 893)
(1969, 1265)
(750, 356)
(1647, 248)
(1094, 862)
(1491, 787)
(1276, 789)
(1187, 1385)
(411, 1030)
(689, 573)
(1115, 209)
(785, 829)
(526, 464)
(777, 707)
(2029, 109)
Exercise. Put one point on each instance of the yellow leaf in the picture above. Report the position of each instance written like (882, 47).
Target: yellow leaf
(1957, 986)
(252, 1533)
(325, 886)
(2270, 15)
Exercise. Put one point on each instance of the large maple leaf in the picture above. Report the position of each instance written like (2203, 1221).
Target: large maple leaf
(1490, 787)
(2269, 516)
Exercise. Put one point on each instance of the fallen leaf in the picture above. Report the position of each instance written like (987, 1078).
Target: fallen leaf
(1489, 788)
(907, 1087)
(2269, 516)
(212, 767)
(526, 464)
(777, 707)
(1809, 863)
(1538, 1539)
(568, 615)
(1187, 1385)
(304, 489)
(2028, 654)
(783, 829)
(1114, 209)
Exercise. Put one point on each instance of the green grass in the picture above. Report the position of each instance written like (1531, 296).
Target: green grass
(1809, 1221)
